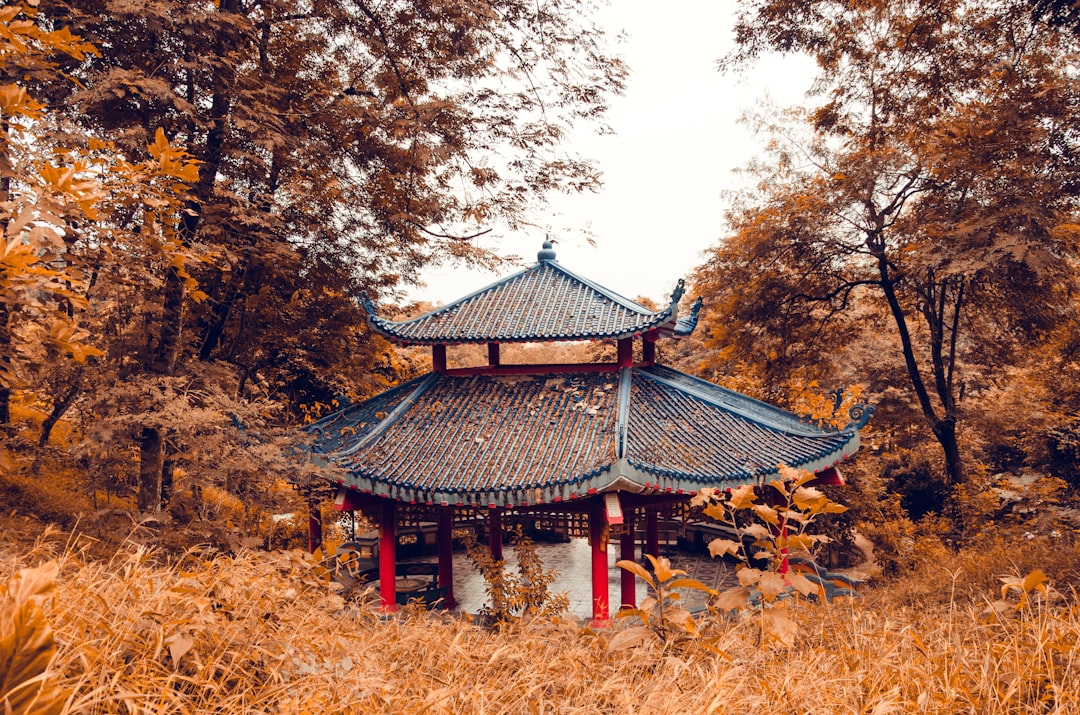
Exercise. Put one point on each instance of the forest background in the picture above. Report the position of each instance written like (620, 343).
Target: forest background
(195, 196)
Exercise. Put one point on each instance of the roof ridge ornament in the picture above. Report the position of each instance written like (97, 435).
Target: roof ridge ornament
(677, 294)
(860, 415)
(547, 253)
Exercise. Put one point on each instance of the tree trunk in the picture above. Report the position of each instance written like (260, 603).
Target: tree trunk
(152, 446)
(945, 431)
(220, 313)
(944, 428)
(151, 464)
(168, 483)
(152, 443)
(60, 407)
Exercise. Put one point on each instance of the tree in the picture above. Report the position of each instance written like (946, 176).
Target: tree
(41, 198)
(340, 141)
(932, 187)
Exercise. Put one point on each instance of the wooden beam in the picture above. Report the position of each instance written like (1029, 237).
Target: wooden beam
(652, 533)
(533, 369)
(495, 542)
(314, 526)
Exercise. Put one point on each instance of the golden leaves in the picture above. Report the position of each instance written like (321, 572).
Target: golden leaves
(636, 569)
(778, 627)
(27, 647)
(660, 613)
(1033, 581)
(723, 547)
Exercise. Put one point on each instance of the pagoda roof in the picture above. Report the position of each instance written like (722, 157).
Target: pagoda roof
(522, 440)
(545, 302)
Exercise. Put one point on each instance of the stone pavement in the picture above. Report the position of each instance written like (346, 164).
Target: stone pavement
(572, 561)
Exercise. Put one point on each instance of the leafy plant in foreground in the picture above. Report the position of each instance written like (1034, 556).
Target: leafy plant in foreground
(661, 614)
(783, 511)
(27, 646)
(514, 597)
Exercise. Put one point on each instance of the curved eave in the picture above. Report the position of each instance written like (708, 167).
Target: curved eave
(622, 475)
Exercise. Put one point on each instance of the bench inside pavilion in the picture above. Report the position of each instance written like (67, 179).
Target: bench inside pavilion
(599, 449)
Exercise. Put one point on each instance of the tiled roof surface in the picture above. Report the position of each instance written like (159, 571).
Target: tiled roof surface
(531, 439)
(346, 427)
(544, 302)
(714, 435)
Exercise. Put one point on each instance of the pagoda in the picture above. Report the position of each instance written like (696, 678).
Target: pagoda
(599, 448)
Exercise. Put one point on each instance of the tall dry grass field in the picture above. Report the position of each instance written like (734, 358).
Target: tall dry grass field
(265, 632)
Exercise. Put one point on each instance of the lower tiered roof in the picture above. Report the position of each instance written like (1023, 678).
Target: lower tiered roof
(521, 440)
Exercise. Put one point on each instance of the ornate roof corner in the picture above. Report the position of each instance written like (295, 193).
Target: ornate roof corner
(368, 305)
(685, 326)
(375, 321)
(860, 415)
(677, 294)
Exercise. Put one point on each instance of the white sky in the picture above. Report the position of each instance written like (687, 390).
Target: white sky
(677, 142)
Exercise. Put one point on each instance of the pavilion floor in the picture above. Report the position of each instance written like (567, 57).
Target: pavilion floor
(572, 561)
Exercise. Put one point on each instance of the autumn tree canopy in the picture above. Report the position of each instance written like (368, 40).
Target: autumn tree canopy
(338, 147)
(928, 190)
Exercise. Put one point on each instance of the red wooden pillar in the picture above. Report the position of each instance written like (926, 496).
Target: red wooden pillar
(648, 351)
(495, 534)
(598, 542)
(493, 354)
(446, 556)
(652, 533)
(314, 526)
(388, 557)
(438, 358)
(625, 352)
(627, 581)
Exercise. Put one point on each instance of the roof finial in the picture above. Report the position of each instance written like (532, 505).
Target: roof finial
(677, 294)
(547, 253)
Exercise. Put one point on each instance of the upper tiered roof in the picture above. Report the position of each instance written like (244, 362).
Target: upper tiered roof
(545, 302)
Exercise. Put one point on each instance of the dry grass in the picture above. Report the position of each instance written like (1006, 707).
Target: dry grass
(264, 632)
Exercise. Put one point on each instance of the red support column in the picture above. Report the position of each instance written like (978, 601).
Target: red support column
(648, 351)
(627, 582)
(314, 526)
(495, 534)
(625, 352)
(493, 354)
(652, 534)
(388, 557)
(446, 556)
(598, 542)
(438, 358)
